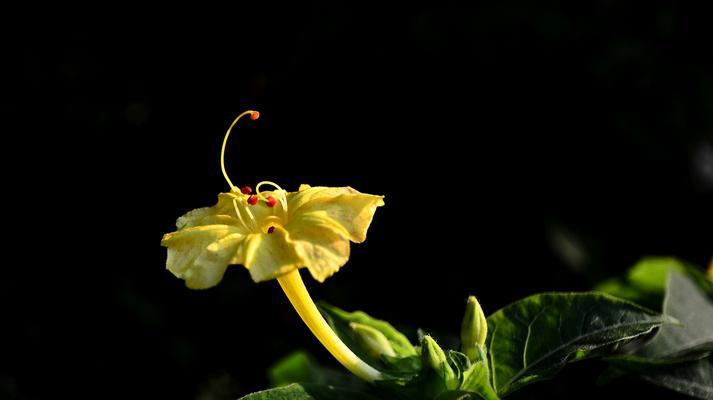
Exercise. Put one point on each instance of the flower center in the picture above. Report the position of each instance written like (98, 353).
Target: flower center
(279, 195)
(270, 200)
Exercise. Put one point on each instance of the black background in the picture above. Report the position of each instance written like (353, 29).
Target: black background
(521, 147)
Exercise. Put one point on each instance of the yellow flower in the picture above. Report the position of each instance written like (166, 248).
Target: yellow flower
(273, 234)
(310, 228)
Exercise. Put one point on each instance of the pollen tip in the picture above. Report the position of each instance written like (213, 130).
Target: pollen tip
(271, 201)
(252, 200)
(271, 229)
(246, 190)
(254, 115)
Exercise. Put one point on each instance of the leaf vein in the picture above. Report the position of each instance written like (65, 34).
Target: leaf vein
(572, 341)
(527, 338)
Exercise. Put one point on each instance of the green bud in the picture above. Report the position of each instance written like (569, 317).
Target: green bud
(474, 329)
(372, 340)
(433, 356)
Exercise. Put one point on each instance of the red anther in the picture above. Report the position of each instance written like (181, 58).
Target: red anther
(271, 229)
(252, 200)
(271, 201)
(246, 190)
(254, 115)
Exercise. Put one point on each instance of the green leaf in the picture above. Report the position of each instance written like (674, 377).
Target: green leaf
(646, 280)
(693, 378)
(460, 363)
(686, 302)
(650, 273)
(405, 364)
(300, 367)
(535, 337)
(400, 343)
(476, 379)
(296, 367)
(672, 358)
(458, 395)
(705, 282)
(306, 391)
(624, 290)
(441, 371)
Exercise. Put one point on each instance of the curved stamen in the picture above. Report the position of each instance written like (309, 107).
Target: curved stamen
(282, 197)
(259, 192)
(253, 115)
(253, 221)
(240, 217)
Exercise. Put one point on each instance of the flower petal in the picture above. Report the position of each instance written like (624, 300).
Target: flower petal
(352, 210)
(225, 212)
(269, 255)
(200, 255)
(204, 216)
(320, 244)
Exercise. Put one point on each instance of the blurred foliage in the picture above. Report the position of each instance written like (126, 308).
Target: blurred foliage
(646, 281)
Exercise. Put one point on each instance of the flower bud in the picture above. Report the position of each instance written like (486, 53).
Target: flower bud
(372, 340)
(433, 356)
(474, 329)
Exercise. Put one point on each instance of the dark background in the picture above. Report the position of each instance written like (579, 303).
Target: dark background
(521, 146)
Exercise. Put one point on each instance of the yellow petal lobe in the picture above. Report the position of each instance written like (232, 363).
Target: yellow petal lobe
(269, 255)
(347, 207)
(200, 255)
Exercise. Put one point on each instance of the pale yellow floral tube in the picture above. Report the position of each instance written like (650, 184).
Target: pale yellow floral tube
(296, 291)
